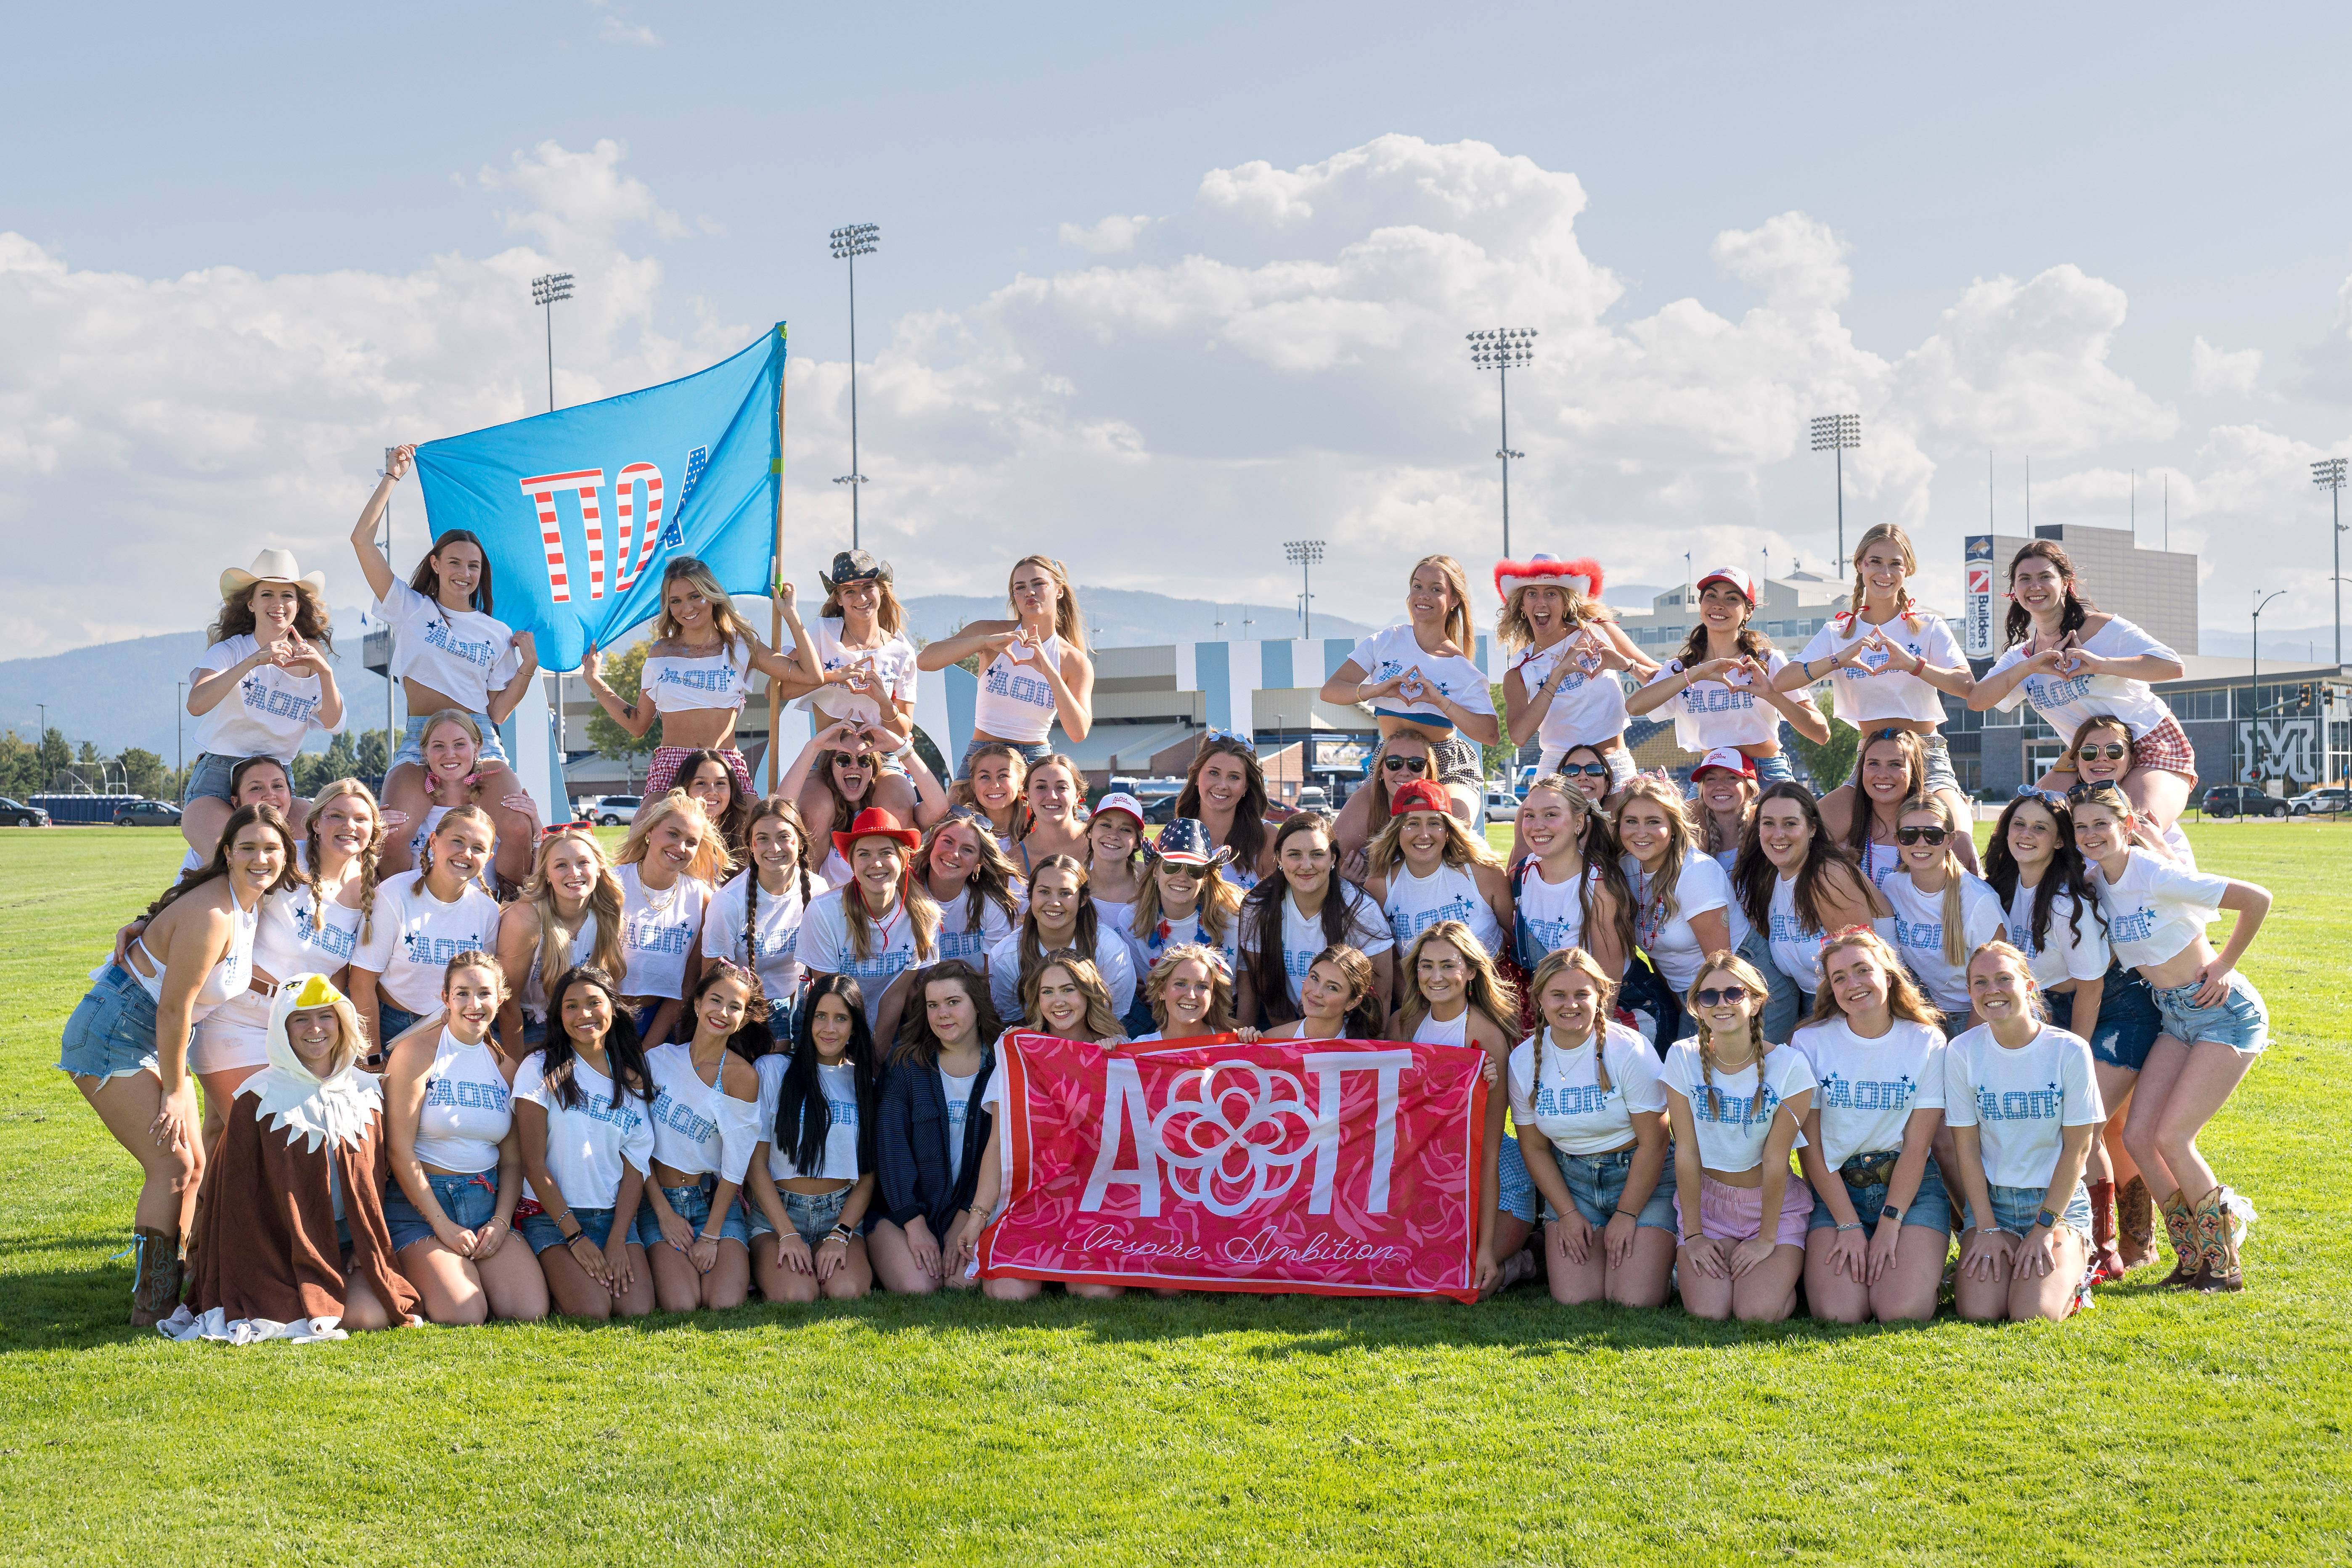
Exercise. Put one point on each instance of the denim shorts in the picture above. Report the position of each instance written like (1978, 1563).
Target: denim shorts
(2238, 1020)
(468, 1200)
(1931, 1207)
(1030, 752)
(2127, 1023)
(1941, 779)
(2014, 1210)
(112, 1030)
(209, 777)
(391, 1021)
(412, 740)
(1516, 1190)
(692, 1205)
(812, 1214)
(541, 1232)
(1772, 770)
(1596, 1183)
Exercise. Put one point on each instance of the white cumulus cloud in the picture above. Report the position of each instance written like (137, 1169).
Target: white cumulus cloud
(2223, 370)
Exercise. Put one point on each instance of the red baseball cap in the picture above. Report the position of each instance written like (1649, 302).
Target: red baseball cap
(1733, 575)
(1730, 759)
(1420, 795)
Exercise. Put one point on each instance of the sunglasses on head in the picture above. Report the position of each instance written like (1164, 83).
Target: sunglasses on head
(2103, 790)
(1714, 996)
(1921, 834)
(1890, 734)
(1404, 765)
(2112, 752)
(2035, 792)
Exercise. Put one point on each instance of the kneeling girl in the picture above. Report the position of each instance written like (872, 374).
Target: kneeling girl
(813, 1188)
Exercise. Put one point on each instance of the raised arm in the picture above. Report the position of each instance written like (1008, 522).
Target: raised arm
(636, 717)
(378, 570)
(984, 638)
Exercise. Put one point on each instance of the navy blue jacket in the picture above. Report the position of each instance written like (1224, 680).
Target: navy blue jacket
(911, 1145)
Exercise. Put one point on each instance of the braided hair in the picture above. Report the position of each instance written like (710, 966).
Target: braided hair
(1555, 962)
(784, 811)
(1723, 961)
(371, 853)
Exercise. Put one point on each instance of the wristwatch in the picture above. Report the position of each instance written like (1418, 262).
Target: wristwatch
(1891, 1211)
(2046, 1220)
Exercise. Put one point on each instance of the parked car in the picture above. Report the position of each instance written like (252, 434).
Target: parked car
(612, 810)
(1159, 811)
(148, 813)
(2242, 800)
(1313, 797)
(17, 814)
(1502, 806)
(2333, 800)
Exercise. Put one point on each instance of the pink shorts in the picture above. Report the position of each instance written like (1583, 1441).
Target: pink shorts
(663, 773)
(1736, 1213)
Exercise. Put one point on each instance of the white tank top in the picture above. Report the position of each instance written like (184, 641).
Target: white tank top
(1429, 1032)
(229, 978)
(295, 934)
(1880, 861)
(534, 984)
(1554, 914)
(1449, 893)
(698, 1128)
(678, 682)
(1796, 951)
(1015, 702)
(467, 1108)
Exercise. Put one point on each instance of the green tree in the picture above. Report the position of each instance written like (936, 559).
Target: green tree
(20, 767)
(88, 755)
(375, 755)
(145, 773)
(623, 675)
(1500, 760)
(55, 754)
(1830, 762)
(315, 771)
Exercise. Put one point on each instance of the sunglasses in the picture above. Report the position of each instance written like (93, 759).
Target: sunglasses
(1713, 998)
(1921, 834)
(2035, 792)
(1587, 770)
(1404, 765)
(1244, 741)
(2096, 789)
(1886, 735)
(2113, 752)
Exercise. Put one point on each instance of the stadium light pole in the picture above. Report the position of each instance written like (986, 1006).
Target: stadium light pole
(1839, 433)
(849, 244)
(2328, 474)
(1502, 349)
(546, 291)
(1306, 554)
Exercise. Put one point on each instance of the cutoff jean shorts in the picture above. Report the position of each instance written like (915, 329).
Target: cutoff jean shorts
(468, 1200)
(209, 777)
(1031, 753)
(812, 1214)
(1931, 1207)
(541, 1232)
(2127, 1023)
(2014, 1210)
(112, 1033)
(1596, 1185)
(692, 1205)
(411, 740)
(2239, 1020)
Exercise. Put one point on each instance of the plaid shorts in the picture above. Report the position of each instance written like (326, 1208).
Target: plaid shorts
(663, 774)
(2167, 747)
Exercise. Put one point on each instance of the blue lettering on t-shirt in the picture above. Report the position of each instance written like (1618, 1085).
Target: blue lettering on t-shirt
(435, 952)
(2047, 691)
(1574, 1099)
(319, 934)
(438, 634)
(2020, 1104)
(1554, 934)
(465, 1094)
(2132, 925)
(1738, 1109)
(1789, 930)
(719, 679)
(845, 1112)
(1926, 936)
(640, 933)
(1712, 698)
(276, 702)
(600, 1107)
(1407, 924)
(1838, 1092)
(963, 945)
(1032, 691)
(681, 1118)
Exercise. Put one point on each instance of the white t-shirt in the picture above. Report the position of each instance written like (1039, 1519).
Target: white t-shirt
(826, 948)
(2066, 700)
(415, 935)
(1567, 1104)
(1731, 1130)
(2020, 1101)
(1146, 950)
(698, 1128)
(1449, 893)
(893, 671)
(773, 951)
(297, 934)
(957, 937)
(590, 1142)
(1674, 948)
(1393, 651)
(1711, 713)
(1111, 957)
(2155, 908)
(1867, 1090)
(659, 930)
(2069, 957)
(1916, 929)
(1589, 706)
(271, 712)
(1796, 951)
(957, 1092)
(1553, 914)
(839, 1083)
(1861, 699)
(677, 682)
(1302, 937)
(1015, 701)
(464, 654)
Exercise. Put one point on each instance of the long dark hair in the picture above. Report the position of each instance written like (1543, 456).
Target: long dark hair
(1604, 865)
(2067, 873)
(917, 1045)
(734, 824)
(1262, 921)
(1748, 639)
(1753, 875)
(1865, 809)
(2019, 624)
(244, 816)
(623, 1050)
(804, 1118)
(1086, 926)
(750, 1039)
(1247, 840)
(427, 579)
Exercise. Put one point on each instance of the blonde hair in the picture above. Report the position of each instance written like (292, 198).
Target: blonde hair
(370, 854)
(2009, 954)
(456, 814)
(1102, 1019)
(1723, 961)
(1904, 998)
(1661, 900)
(1881, 533)
(349, 1041)
(1462, 847)
(1068, 623)
(1555, 962)
(1485, 990)
(1956, 950)
(1220, 1015)
(1512, 628)
(605, 899)
(465, 721)
(712, 861)
(1217, 905)
(733, 633)
(1458, 629)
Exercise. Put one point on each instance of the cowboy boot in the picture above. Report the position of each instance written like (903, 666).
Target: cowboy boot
(2180, 1227)
(2104, 1258)
(156, 1284)
(2218, 1235)
(2135, 1211)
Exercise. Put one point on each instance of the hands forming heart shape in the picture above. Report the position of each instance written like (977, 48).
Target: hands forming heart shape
(1414, 686)
(1588, 659)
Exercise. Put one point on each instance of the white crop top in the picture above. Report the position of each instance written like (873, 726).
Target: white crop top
(2071, 954)
(229, 979)
(698, 1128)
(464, 654)
(2066, 700)
(1862, 697)
(1392, 652)
(1015, 701)
(271, 712)
(839, 1083)
(1729, 712)
(680, 681)
(1553, 912)
(468, 1108)
(2155, 908)
(893, 671)
(1566, 1103)
(588, 1144)
(1732, 1126)
(1589, 705)
(1796, 951)
(1435, 1031)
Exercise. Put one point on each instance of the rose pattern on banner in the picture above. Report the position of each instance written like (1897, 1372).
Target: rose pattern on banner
(1182, 1165)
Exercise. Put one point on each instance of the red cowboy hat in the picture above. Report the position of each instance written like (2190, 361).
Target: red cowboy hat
(874, 823)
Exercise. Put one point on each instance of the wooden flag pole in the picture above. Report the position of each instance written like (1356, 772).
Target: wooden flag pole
(775, 585)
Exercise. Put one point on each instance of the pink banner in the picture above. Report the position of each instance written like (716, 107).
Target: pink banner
(1333, 1167)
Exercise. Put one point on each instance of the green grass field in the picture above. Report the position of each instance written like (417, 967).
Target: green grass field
(2159, 1427)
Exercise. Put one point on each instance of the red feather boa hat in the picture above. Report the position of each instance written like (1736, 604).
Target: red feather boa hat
(1584, 576)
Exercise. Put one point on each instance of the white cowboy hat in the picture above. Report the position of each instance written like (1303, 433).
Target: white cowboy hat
(269, 566)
